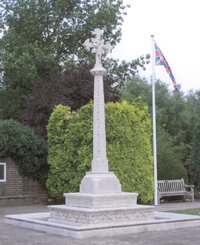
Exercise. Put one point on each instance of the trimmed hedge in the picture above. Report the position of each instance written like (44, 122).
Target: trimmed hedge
(27, 150)
(128, 130)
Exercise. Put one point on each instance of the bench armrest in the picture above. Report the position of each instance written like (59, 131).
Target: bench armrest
(191, 187)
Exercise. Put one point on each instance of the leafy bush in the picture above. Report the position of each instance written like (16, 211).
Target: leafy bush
(74, 88)
(195, 157)
(169, 157)
(27, 150)
(128, 148)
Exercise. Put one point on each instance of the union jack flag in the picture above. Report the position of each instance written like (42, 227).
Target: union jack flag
(161, 60)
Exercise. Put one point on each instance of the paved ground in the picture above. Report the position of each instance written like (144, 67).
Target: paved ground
(12, 235)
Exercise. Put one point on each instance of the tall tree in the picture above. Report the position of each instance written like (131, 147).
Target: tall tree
(195, 157)
(74, 88)
(170, 106)
(46, 36)
(193, 108)
(173, 134)
(170, 157)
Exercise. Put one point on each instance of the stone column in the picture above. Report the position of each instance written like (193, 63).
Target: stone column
(99, 180)
(99, 162)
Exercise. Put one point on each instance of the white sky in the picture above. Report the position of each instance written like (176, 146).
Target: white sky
(175, 25)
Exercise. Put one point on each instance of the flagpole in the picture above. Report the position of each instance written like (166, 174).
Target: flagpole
(154, 122)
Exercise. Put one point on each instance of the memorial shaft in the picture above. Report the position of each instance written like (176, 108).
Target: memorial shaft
(99, 162)
(97, 45)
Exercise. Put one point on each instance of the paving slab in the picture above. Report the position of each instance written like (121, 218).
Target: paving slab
(13, 235)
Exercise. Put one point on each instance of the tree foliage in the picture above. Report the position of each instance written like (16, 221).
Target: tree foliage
(195, 158)
(128, 148)
(27, 150)
(72, 87)
(60, 26)
(172, 116)
(195, 149)
(170, 157)
(41, 37)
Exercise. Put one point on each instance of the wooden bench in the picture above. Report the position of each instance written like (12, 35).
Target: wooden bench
(168, 188)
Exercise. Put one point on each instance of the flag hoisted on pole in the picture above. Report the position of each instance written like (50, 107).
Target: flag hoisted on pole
(157, 59)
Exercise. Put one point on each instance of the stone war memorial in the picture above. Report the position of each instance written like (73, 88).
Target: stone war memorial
(100, 200)
(100, 208)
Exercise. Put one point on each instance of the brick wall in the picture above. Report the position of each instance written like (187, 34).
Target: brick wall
(19, 190)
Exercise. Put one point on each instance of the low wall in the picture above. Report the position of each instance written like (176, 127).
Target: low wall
(19, 190)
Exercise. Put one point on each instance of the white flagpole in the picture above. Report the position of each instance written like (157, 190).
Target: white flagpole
(154, 122)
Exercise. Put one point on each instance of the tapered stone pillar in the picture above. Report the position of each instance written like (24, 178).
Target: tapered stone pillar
(99, 180)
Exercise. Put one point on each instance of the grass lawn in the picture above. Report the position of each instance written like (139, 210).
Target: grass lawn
(192, 211)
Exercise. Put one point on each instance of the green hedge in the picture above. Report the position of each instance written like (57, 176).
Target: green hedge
(128, 130)
(27, 150)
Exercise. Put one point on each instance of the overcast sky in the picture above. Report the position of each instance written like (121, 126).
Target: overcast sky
(175, 25)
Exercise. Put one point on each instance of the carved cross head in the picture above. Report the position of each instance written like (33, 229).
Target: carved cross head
(97, 45)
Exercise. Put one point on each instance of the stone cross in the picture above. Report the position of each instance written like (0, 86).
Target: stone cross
(99, 180)
(97, 45)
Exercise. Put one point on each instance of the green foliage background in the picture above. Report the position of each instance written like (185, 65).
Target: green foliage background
(128, 148)
(172, 125)
(169, 157)
(195, 157)
(41, 37)
(27, 150)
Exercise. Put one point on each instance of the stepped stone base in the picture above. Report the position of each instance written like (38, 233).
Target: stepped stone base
(71, 215)
(100, 209)
(123, 199)
(161, 221)
(100, 201)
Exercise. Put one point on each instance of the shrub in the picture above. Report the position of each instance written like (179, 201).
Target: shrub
(128, 148)
(169, 157)
(27, 150)
(195, 157)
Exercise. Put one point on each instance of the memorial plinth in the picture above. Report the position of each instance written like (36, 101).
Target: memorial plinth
(100, 200)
